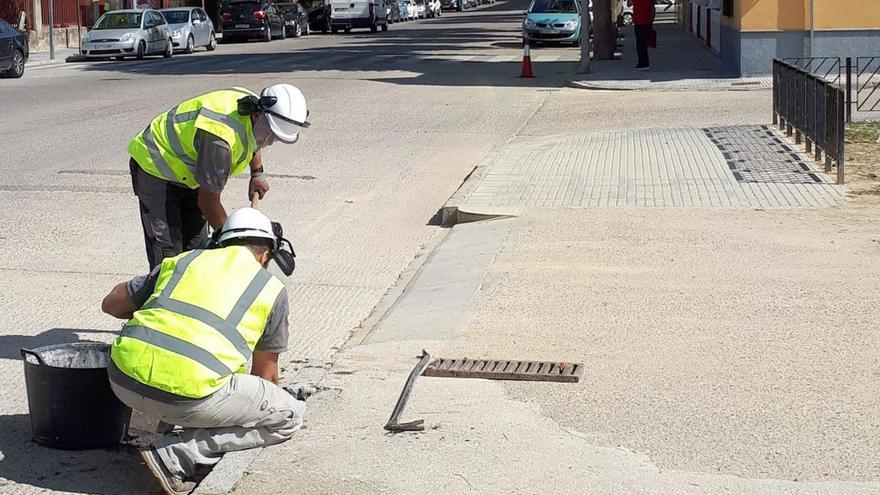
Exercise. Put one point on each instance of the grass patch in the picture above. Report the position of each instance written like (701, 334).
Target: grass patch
(864, 132)
(863, 159)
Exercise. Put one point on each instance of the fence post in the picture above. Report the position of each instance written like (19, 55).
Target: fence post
(829, 129)
(799, 82)
(840, 124)
(51, 30)
(775, 91)
(849, 99)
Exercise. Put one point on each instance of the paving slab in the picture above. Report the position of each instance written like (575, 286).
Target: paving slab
(727, 167)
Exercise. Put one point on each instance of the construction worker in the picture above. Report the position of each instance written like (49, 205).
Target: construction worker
(180, 163)
(193, 324)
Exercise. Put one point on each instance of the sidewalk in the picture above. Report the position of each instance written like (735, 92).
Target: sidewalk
(679, 63)
(36, 59)
(728, 348)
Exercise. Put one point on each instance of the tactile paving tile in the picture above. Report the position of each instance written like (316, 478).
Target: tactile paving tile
(757, 154)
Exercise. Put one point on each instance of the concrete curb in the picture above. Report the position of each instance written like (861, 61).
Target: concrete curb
(234, 465)
(732, 85)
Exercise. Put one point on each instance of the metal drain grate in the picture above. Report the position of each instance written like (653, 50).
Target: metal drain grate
(505, 370)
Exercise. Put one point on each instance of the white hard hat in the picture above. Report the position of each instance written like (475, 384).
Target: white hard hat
(247, 222)
(289, 112)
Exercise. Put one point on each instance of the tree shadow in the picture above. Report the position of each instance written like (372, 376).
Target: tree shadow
(11, 345)
(105, 471)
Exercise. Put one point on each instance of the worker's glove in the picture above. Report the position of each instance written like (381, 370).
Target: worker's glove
(214, 241)
(258, 184)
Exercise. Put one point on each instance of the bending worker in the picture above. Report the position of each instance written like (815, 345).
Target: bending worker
(180, 163)
(194, 323)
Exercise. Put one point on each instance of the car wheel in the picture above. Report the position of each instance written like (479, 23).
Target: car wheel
(212, 43)
(334, 30)
(120, 58)
(298, 31)
(268, 36)
(374, 27)
(627, 19)
(16, 70)
(347, 30)
(190, 45)
(308, 29)
(384, 27)
(169, 49)
(141, 50)
(283, 32)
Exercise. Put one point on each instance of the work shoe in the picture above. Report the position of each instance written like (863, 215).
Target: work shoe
(171, 484)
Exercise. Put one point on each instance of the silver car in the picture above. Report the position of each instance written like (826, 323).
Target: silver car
(126, 33)
(190, 28)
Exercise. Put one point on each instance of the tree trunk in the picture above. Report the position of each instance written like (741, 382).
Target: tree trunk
(603, 31)
(584, 65)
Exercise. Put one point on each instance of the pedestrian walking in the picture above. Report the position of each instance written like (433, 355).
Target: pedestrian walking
(643, 26)
(193, 325)
(181, 162)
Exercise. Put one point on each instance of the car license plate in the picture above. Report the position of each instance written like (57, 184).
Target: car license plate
(550, 31)
(103, 46)
(242, 26)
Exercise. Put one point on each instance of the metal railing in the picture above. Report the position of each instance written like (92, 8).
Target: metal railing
(867, 84)
(860, 76)
(813, 110)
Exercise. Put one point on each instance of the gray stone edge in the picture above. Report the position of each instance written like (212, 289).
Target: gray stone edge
(659, 87)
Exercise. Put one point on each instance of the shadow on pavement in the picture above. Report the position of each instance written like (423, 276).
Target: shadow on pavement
(440, 52)
(105, 471)
(11, 345)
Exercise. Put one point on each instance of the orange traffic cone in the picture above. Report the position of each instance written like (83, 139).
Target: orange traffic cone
(527, 61)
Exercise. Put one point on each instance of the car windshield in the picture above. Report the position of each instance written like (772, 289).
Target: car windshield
(176, 16)
(554, 7)
(122, 20)
(244, 8)
(287, 8)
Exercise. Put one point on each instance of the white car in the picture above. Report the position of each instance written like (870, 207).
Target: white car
(421, 10)
(412, 11)
(125, 33)
(190, 28)
(433, 8)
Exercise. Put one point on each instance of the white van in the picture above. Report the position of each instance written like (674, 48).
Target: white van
(348, 14)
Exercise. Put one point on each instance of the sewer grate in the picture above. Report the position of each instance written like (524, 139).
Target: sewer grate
(505, 370)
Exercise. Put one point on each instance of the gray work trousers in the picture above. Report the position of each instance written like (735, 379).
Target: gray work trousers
(170, 216)
(248, 412)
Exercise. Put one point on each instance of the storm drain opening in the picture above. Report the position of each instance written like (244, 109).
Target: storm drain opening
(538, 371)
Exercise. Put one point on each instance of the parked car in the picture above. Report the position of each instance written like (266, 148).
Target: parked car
(122, 33)
(190, 28)
(432, 8)
(349, 14)
(392, 11)
(401, 6)
(421, 9)
(14, 50)
(412, 10)
(251, 19)
(296, 21)
(457, 5)
(553, 20)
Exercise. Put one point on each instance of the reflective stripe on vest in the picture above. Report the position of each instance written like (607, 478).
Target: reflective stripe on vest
(179, 342)
(166, 148)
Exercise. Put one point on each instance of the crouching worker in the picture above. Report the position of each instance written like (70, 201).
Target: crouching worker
(193, 325)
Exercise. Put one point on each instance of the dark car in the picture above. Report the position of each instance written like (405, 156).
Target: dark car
(458, 5)
(251, 19)
(13, 50)
(319, 14)
(392, 9)
(296, 21)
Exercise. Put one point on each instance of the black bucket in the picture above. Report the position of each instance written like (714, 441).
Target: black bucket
(69, 397)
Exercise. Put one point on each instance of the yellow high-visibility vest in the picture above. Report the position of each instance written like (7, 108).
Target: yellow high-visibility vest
(201, 323)
(166, 148)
